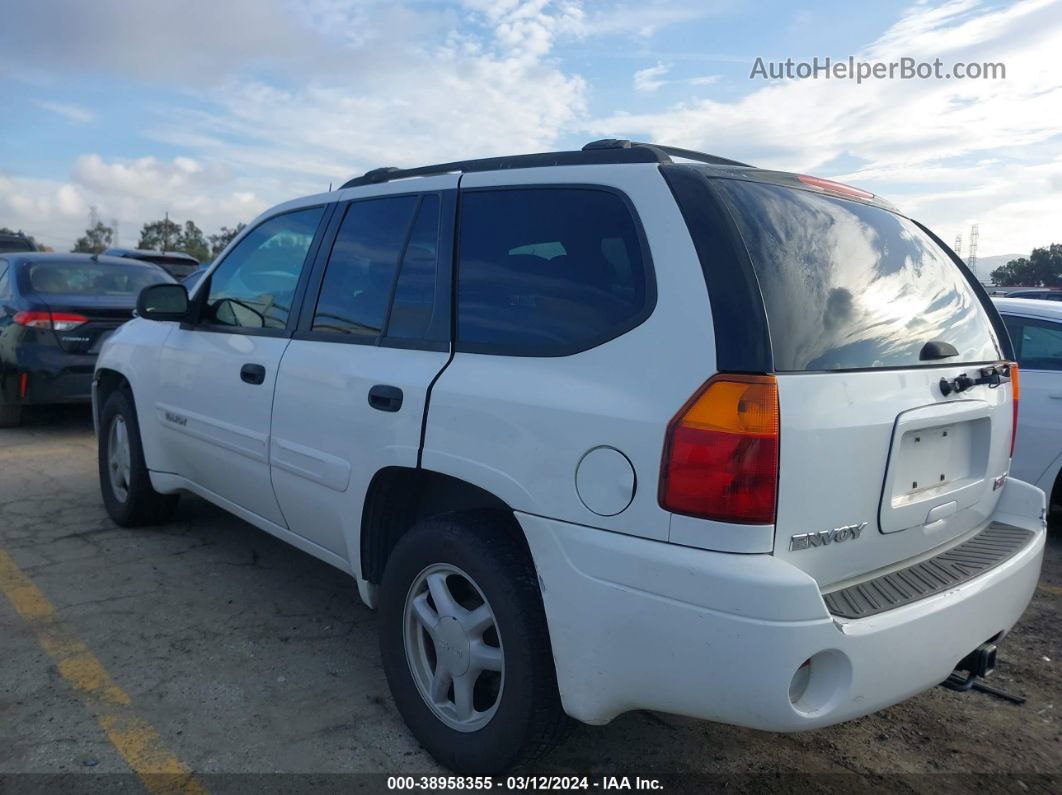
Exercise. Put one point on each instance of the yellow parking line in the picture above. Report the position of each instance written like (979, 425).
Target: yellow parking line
(135, 739)
(1051, 589)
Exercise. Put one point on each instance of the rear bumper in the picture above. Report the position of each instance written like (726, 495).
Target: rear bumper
(52, 376)
(639, 624)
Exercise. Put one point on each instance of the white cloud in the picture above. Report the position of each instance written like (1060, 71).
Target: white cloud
(648, 79)
(68, 110)
(313, 91)
(132, 191)
(410, 88)
(902, 126)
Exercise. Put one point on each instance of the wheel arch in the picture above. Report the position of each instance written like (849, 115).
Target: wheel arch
(400, 497)
(105, 382)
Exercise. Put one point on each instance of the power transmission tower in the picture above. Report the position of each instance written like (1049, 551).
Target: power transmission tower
(958, 245)
(94, 216)
(114, 231)
(971, 260)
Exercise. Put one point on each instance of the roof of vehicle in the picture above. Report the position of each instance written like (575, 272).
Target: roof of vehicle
(16, 258)
(1051, 310)
(139, 253)
(617, 151)
(18, 238)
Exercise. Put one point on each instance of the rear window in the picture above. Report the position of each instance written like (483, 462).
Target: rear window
(83, 279)
(176, 266)
(15, 244)
(848, 286)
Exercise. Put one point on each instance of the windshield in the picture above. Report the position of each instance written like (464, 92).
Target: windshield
(850, 286)
(98, 279)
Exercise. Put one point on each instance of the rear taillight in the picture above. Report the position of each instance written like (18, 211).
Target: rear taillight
(721, 452)
(60, 321)
(1015, 393)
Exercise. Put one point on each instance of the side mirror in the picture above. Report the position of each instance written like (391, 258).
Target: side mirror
(163, 302)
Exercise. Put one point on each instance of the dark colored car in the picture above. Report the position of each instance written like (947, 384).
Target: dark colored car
(16, 242)
(176, 263)
(55, 312)
(192, 279)
(1039, 293)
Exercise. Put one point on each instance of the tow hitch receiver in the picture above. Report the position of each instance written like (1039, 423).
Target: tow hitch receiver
(978, 663)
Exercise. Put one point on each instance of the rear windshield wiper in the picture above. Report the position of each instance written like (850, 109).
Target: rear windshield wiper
(937, 349)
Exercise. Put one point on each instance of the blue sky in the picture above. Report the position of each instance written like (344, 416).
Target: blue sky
(216, 110)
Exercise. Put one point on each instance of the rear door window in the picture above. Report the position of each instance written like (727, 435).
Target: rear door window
(414, 302)
(849, 286)
(548, 271)
(360, 274)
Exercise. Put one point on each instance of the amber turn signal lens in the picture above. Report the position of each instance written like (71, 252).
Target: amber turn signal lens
(721, 452)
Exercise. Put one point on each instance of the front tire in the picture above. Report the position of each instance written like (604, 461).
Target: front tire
(130, 499)
(465, 645)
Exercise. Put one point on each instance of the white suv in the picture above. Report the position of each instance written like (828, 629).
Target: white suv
(601, 431)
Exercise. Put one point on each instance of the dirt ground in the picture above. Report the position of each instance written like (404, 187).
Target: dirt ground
(246, 656)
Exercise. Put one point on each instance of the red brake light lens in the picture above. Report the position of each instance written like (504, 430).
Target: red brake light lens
(1015, 393)
(835, 187)
(721, 452)
(59, 321)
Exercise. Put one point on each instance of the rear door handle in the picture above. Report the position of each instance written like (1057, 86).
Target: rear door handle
(385, 398)
(1056, 395)
(253, 374)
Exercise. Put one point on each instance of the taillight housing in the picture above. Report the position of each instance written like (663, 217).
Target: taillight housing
(721, 452)
(1015, 393)
(58, 321)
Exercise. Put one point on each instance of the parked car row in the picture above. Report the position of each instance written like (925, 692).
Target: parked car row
(1036, 293)
(56, 310)
(1036, 331)
(599, 431)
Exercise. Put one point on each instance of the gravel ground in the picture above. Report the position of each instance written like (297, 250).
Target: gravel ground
(247, 656)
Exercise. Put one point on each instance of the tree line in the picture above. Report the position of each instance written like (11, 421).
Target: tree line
(163, 235)
(1042, 268)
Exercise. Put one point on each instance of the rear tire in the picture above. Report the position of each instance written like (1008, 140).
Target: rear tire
(130, 499)
(500, 706)
(10, 415)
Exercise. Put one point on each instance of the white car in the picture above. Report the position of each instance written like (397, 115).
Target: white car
(600, 431)
(1036, 331)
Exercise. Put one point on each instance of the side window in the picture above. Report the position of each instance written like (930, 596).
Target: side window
(255, 284)
(361, 268)
(5, 282)
(548, 271)
(1037, 343)
(411, 310)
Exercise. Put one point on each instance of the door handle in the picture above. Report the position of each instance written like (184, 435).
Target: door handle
(385, 398)
(253, 374)
(1056, 395)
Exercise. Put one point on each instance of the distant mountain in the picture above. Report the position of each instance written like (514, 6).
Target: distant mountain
(985, 265)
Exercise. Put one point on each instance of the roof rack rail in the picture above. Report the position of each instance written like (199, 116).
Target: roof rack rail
(607, 150)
